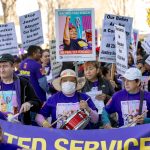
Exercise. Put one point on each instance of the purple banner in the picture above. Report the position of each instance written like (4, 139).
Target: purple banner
(37, 138)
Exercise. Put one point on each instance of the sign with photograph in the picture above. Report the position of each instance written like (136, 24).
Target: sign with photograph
(75, 35)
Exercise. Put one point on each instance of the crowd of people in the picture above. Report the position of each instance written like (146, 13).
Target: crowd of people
(101, 97)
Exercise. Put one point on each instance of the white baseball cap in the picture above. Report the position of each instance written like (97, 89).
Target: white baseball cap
(132, 74)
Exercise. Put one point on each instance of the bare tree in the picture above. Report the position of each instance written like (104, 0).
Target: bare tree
(9, 10)
(121, 7)
(47, 8)
(117, 7)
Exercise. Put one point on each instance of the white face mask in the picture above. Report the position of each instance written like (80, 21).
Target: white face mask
(68, 87)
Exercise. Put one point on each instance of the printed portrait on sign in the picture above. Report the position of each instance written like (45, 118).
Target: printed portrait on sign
(75, 33)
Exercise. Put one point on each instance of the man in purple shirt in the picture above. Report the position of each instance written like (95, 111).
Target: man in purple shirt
(66, 101)
(126, 103)
(31, 68)
(16, 93)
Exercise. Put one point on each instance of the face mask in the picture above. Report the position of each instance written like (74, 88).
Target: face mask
(68, 87)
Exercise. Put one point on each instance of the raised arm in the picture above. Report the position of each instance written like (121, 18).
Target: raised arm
(66, 31)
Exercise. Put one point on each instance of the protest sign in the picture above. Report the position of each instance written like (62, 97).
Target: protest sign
(31, 29)
(146, 44)
(108, 49)
(121, 50)
(148, 60)
(55, 66)
(8, 39)
(75, 35)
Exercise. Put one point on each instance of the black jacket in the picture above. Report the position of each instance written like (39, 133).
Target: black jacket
(103, 85)
(25, 93)
(28, 95)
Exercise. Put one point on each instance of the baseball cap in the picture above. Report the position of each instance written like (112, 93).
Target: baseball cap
(6, 58)
(132, 74)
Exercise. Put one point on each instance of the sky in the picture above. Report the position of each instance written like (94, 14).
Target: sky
(23, 7)
(28, 6)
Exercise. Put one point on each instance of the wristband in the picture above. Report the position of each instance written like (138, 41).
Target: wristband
(45, 123)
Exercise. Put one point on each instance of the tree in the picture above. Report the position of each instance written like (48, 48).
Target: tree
(121, 7)
(47, 8)
(9, 10)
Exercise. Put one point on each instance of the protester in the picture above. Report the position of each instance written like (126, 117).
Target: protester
(141, 65)
(66, 101)
(16, 93)
(31, 68)
(97, 87)
(130, 60)
(126, 103)
(95, 81)
(71, 42)
(17, 62)
(139, 57)
(45, 59)
(140, 50)
(145, 69)
(106, 72)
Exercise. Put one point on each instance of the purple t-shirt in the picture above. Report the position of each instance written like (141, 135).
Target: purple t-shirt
(59, 104)
(34, 71)
(127, 106)
(77, 44)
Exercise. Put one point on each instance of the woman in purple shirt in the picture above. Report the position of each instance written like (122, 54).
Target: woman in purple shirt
(66, 101)
(126, 103)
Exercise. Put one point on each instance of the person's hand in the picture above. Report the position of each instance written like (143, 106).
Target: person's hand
(84, 105)
(101, 96)
(139, 119)
(25, 107)
(107, 126)
(67, 19)
(46, 124)
(113, 83)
